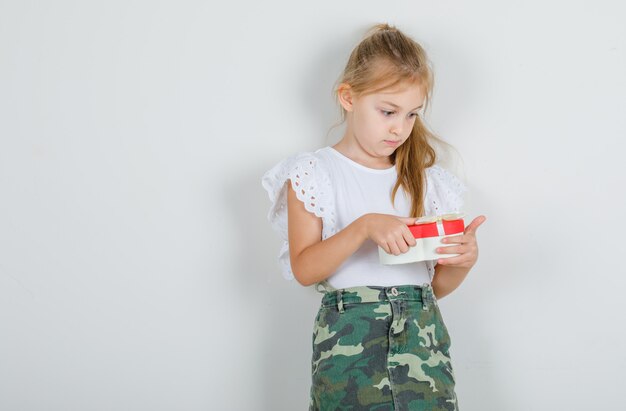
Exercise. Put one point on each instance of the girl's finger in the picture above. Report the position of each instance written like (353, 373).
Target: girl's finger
(407, 220)
(408, 237)
(461, 238)
(402, 245)
(453, 249)
(394, 248)
(471, 228)
(452, 260)
(385, 247)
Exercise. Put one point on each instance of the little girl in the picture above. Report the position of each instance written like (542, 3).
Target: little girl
(379, 342)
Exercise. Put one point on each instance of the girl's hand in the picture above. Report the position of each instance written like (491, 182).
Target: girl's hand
(467, 248)
(390, 232)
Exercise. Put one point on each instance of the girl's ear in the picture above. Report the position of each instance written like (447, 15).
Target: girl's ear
(344, 93)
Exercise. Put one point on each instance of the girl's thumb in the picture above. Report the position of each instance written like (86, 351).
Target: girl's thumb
(408, 220)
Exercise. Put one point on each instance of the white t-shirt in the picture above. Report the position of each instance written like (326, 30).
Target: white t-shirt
(339, 190)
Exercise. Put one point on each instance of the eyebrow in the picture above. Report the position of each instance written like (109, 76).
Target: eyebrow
(397, 106)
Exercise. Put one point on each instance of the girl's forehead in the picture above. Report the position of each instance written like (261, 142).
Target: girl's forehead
(406, 89)
(409, 94)
(403, 87)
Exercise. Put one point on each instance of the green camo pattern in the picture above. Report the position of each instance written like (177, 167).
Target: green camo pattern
(377, 348)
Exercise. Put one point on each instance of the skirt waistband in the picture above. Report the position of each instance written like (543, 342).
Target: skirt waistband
(369, 294)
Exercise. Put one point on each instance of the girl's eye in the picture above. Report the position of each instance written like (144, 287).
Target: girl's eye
(387, 113)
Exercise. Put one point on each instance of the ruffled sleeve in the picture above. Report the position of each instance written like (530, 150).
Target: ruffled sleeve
(311, 181)
(445, 193)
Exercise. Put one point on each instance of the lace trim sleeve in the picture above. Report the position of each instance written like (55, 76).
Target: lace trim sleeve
(444, 191)
(311, 182)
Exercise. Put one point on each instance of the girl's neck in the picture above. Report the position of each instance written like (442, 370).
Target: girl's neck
(353, 154)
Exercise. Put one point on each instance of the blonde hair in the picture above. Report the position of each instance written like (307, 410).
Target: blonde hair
(385, 58)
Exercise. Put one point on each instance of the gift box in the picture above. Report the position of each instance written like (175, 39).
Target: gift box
(428, 232)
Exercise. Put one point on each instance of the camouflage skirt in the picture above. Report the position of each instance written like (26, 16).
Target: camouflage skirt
(381, 348)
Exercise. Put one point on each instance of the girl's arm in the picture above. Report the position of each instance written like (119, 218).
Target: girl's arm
(314, 260)
(447, 279)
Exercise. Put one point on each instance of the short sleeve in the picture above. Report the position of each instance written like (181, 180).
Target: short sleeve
(444, 195)
(312, 184)
(444, 192)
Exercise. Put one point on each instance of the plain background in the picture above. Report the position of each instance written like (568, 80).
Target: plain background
(137, 267)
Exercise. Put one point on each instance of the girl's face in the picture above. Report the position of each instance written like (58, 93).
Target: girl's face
(379, 123)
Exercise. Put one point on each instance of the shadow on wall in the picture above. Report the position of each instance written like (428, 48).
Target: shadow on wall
(285, 309)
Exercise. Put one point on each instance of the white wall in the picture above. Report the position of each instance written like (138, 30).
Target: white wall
(137, 267)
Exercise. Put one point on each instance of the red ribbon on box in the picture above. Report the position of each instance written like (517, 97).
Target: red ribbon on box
(438, 226)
